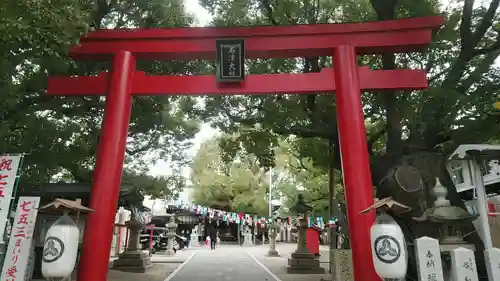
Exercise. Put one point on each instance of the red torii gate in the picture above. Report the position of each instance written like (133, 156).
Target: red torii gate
(342, 41)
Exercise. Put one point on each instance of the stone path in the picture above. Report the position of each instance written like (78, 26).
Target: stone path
(228, 262)
(157, 272)
(277, 264)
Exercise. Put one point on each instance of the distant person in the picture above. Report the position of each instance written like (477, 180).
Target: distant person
(213, 235)
(187, 235)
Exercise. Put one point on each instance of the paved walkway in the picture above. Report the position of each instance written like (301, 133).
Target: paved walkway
(228, 262)
(277, 264)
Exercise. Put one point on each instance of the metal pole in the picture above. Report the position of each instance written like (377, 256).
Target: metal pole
(270, 192)
(332, 233)
(16, 184)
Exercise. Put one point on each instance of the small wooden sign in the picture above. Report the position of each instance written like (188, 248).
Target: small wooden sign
(230, 60)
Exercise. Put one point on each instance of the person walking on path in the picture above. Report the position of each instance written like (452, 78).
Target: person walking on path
(213, 235)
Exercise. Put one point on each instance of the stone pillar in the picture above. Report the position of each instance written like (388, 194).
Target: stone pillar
(194, 242)
(171, 227)
(134, 227)
(302, 261)
(247, 237)
(302, 242)
(273, 229)
(170, 246)
(122, 232)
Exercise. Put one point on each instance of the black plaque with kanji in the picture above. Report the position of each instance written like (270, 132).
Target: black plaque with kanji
(230, 60)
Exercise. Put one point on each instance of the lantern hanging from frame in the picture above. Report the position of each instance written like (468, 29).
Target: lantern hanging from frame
(389, 250)
(60, 248)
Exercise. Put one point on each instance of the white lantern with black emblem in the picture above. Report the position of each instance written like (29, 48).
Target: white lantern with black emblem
(60, 249)
(389, 251)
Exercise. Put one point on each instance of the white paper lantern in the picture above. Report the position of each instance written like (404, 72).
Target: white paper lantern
(60, 249)
(388, 248)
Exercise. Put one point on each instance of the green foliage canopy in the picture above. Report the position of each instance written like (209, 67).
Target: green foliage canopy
(237, 186)
(462, 75)
(241, 184)
(60, 134)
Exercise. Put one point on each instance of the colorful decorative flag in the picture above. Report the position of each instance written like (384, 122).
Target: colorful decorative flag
(240, 218)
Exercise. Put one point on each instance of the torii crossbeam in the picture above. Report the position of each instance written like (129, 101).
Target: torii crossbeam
(342, 41)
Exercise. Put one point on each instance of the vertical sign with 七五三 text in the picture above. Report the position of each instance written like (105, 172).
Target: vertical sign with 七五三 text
(9, 165)
(16, 263)
(230, 60)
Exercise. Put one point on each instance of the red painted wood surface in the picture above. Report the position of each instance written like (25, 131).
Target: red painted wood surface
(261, 42)
(253, 31)
(492, 209)
(342, 41)
(306, 83)
(356, 172)
(108, 172)
(312, 238)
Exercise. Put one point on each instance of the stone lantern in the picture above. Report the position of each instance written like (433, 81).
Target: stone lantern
(133, 259)
(171, 227)
(274, 228)
(302, 261)
(302, 209)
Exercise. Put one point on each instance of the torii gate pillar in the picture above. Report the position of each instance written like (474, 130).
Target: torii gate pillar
(356, 166)
(105, 189)
(342, 41)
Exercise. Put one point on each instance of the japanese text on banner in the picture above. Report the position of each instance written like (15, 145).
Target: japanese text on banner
(7, 172)
(9, 165)
(21, 239)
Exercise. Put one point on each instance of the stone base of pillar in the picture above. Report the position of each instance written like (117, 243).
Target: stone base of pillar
(273, 253)
(247, 239)
(304, 263)
(342, 268)
(136, 261)
(169, 253)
